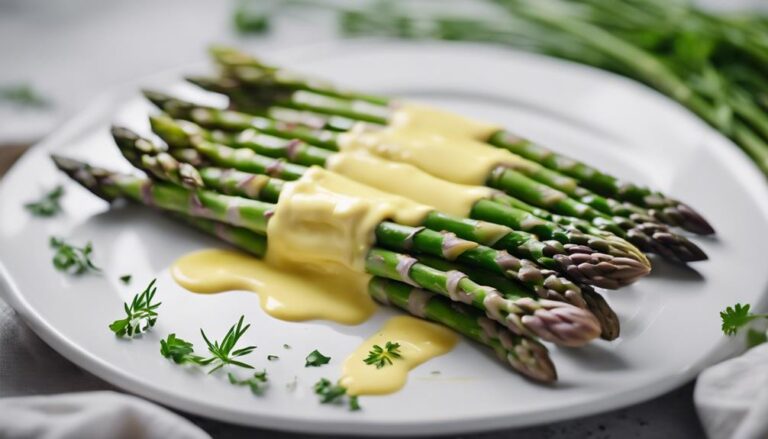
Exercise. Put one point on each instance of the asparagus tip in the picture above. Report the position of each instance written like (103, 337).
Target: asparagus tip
(559, 322)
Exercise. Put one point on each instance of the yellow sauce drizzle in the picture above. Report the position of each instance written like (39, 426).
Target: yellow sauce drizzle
(283, 294)
(419, 341)
(315, 268)
(440, 143)
(408, 181)
(426, 118)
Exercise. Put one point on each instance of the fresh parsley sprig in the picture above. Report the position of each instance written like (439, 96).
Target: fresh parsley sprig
(737, 317)
(224, 353)
(334, 394)
(47, 206)
(141, 314)
(257, 382)
(381, 357)
(72, 259)
(179, 350)
(316, 359)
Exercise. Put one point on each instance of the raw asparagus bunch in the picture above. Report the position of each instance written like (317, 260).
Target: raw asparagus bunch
(153, 159)
(648, 236)
(581, 257)
(558, 322)
(524, 354)
(324, 98)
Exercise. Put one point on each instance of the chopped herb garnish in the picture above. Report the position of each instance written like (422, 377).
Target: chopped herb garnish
(22, 95)
(382, 357)
(286, 346)
(435, 372)
(334, 394)
(141, 314)
(272, 357)
(354, 404)
(71, 259)
(48, 205)
(738, 316)
(178, 350)
(250, 21)
(316, 359)
(256, 382)
(126, 279)
(224, 353)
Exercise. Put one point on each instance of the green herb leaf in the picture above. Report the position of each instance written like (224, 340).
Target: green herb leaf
(256, 382)
(47, 206)
(178, 350)
(126, 279)
(71, 259)
(22, 95)
(272, 357)
(381, 357)
(354, 404)
(224, 352)
(141, 314)
(250, 21)
(286, 346)
(734, 318)
(316, 359)
(334, 394)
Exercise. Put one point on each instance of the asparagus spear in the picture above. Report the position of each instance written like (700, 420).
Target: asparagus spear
(558, 322)
(591, 300)
(525, 355)
(649, 236)
(666, 210)
(325, 99)
(571, 258)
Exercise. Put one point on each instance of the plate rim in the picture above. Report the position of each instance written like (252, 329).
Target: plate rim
(736, 160)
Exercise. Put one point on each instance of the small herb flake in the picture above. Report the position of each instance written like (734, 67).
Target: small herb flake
(178, 350)
(286, 346)
(435, 372)
(334, 394)
(381, 357)
(71, 259)
(47, 206)
(272, 357)
(316, 359)
(257, 382)
(224, 353)
(126, 279)
(141, 314)
(22, 95)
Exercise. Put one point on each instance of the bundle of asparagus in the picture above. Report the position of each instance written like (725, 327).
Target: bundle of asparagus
(508, 274)
(629, 210)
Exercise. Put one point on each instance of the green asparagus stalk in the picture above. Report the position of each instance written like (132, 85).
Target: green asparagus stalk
(524, 354)
(251, 72)
(648, 236)
(573, 259)
(558, 322)
(593, 301)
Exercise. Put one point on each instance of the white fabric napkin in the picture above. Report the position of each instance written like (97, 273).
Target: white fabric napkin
(88, 415)
(732, 397)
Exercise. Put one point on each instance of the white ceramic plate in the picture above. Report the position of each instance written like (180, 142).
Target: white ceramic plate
(670, 319)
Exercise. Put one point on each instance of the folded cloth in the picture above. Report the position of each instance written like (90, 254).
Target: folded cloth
(88, 415)
(732, 397)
